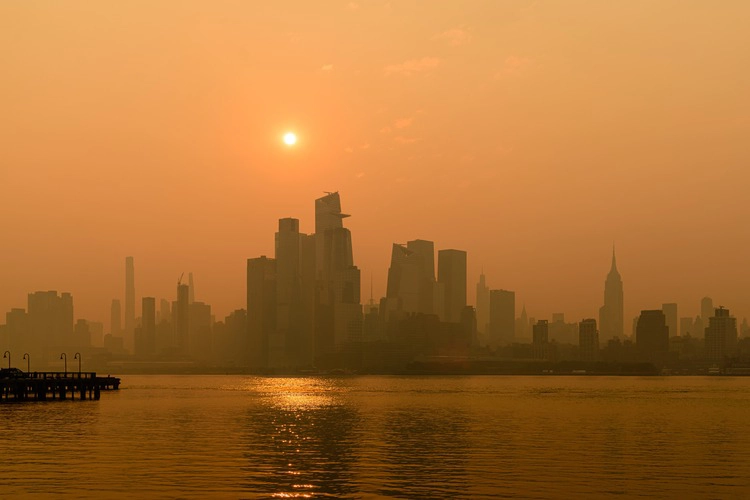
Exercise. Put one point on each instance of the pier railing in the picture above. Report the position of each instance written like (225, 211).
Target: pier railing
(60, 375)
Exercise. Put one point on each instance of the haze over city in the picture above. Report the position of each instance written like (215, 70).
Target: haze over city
(532, 135)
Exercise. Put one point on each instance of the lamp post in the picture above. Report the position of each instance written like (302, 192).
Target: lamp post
(65, 357)
(6, 354)
(78, 357)
(27, 357)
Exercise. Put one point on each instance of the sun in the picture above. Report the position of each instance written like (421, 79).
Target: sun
(290, 138)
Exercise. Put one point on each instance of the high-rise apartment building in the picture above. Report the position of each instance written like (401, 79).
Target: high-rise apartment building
(721, 336)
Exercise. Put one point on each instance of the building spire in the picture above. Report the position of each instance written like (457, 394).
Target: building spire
(614, 259)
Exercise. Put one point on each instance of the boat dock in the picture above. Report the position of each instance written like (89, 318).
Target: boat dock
(16, 385)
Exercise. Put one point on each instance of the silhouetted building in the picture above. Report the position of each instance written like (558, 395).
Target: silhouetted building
(17, 333)
(411, 276)
(707, 310)
(261, 309)
(588, 340)
(181, 319)
(670, 313)
(338, 312)
(292, 342)
(115, 319)
(191, 288)
(129, 304)
(540, 340)
(50, 319)
(483, 305)
(652, 337)
(612, 312)
(81, 334)
(199, 330)
(452, 275)
(145, 341)
(165, 311)
(522, 326)
(721, 336)
(502, 317)
(686, 327)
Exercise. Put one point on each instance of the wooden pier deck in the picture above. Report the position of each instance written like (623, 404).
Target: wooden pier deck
(16, 385)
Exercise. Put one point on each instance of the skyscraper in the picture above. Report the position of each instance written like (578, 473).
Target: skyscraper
(292, 342)
(483, 305)
(452, 275)
(129, 304)
(191, 285)
(721, 336)
(611, 313)
(338, 311)
(670, 312)
(261, 309)
(411, 276)
(502, 317)
(146, 344)
(652, 337)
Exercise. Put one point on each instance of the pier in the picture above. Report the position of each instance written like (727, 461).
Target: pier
(16, 385)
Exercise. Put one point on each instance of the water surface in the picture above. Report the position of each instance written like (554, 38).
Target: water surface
(371, 437)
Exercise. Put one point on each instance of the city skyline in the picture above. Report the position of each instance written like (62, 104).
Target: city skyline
(685, 309)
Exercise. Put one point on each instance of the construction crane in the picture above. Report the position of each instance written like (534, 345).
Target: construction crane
(179, 281)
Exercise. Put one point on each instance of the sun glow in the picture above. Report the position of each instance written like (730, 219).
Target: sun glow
(290, 138)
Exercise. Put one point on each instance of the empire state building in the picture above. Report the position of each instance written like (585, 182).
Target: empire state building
(611, 313)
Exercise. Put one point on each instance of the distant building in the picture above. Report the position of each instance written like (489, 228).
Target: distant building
(129, 334)
(686, 327)
(588, 340)
(411, 276)
(522, 326)
(199, 330)
(612, 312)
(50, 322)
(721, 336)
(652, 337)
(452, 275)
(670, 313)
(115, 319)
(540, 340)
(181, 319)
(707, 310)
(291, 345)
(502, 317)
(261, 309)
(483, 305)
(338, 308)
(145, 339)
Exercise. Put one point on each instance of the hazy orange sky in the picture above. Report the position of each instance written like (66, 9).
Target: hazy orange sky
(531, 134)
